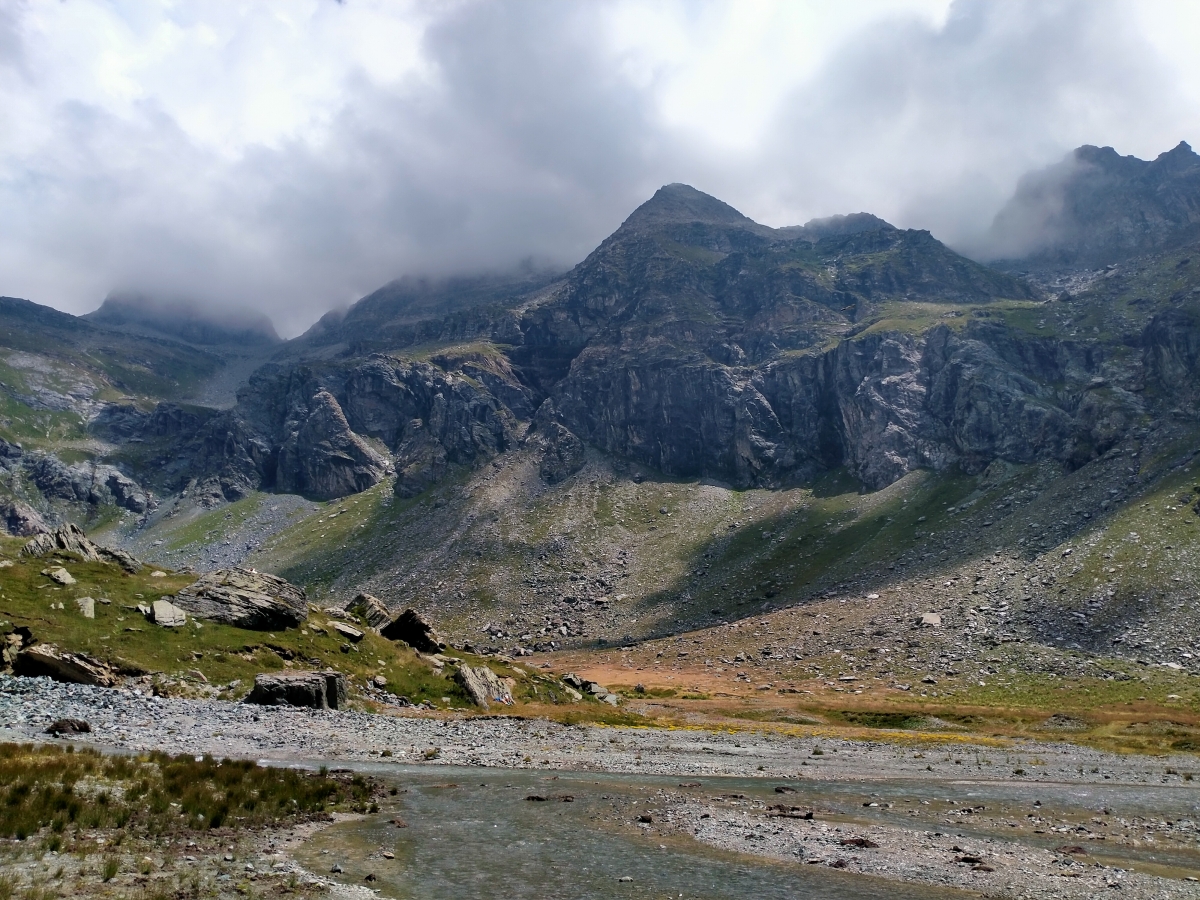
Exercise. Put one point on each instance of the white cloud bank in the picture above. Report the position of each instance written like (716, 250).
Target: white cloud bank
(293, 155)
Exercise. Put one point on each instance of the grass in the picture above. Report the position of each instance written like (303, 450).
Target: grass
(50, 790)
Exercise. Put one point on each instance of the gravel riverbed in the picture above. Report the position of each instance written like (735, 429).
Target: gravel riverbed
(1008, 848)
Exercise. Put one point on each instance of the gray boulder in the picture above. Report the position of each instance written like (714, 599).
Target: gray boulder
(483, 685)
(165, 613)
(371, 609)
(245, 598)
(314, 690)
(413, 630)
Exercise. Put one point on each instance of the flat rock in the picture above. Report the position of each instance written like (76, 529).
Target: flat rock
(413, 630)
(315, 690)
(347, 631)
(483, 685)
(86, 607)
(246, 599)
(59, 575)
(165, 613)
(931, 620)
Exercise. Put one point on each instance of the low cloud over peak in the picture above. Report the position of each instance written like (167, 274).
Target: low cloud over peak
(292, 159)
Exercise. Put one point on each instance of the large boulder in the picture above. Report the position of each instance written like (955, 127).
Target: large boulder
(165, 613)
(245, 598)
(413, 630)
(74, 668)
(483, 685)
(72, 539)
(370, 609)
(314, 690)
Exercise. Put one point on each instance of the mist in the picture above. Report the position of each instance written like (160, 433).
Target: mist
(290, 159)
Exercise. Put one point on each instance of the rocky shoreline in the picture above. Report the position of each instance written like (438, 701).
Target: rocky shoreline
(932, 845)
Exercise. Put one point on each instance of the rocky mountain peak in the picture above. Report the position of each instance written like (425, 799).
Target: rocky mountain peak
(194, 322)
(682, 204)
(1096, 207)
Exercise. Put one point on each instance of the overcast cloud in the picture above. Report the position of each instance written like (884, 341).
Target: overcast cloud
(292, 156)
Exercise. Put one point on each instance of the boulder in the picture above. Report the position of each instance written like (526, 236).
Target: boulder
(20, 519)
(86, 607)
(483, 685)
(19, 638)
(245, 598)
(413, 630)
(347, 631)
(371, 609)
(165, 613)
(315, 690)
(68, 726)
(59, 575)
(72, 539)
(931, 620)
(74, 668)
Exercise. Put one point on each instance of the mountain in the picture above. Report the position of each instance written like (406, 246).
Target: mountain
(192, 322)
(1098, 208)
(705, 420)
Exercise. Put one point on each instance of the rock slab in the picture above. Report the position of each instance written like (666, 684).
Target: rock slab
(483, 685)
(315, 690)
(72, 539)
(246, 599)
(371, 609)
(75, 668)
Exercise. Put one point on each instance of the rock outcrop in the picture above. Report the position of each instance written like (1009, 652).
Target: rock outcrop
(483, 686)
(323, 459)
(20, 519)
(413, 630)
(72, 539)
(371, 609)
(246, 599)
(314, 690)
(76, 668)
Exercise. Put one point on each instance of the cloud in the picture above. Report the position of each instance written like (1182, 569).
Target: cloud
(291, 157)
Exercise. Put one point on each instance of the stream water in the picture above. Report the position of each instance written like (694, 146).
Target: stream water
(471, 833)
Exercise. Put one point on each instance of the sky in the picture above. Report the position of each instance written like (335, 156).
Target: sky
(291, 156)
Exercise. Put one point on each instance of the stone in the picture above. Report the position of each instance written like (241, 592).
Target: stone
(347, 631)
(73, 668)
(371, 609)
(611, 699)
(245, 598)
(20, 519)
(72, 539)
(413, 630)
(165, 613)
(573, 680)
(931, 620)
(68, 726)
(314, 690)
(86, 607)
(483, 685)
(59, 575)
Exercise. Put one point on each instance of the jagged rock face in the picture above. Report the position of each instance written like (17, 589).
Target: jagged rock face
(91, 483)
(371, 609)
(246, 599)
(323, 458)
(20, 519)
(72, 539)
(1097, 207)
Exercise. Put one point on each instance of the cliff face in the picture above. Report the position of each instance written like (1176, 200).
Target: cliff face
(698, 343)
